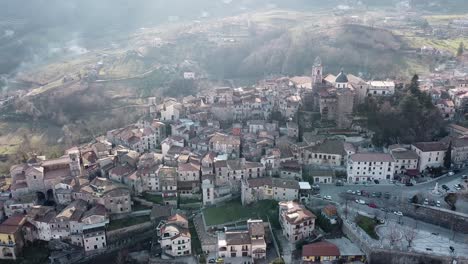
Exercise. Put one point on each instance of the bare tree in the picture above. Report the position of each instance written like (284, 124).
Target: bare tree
(393, 235)
(348, 199)
(410, 234)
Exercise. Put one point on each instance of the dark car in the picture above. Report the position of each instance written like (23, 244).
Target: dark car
(409, 184)
(376, 181)
(372, 205)
(445, 187)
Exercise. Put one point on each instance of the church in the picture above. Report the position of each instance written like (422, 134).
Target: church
(336, 96)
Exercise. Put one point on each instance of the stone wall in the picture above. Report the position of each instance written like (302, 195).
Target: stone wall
(381, 256)
(128, 232)
(131, 214)
(440, 217)
(378, 255)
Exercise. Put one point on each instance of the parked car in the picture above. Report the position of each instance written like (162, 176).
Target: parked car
(212, 260)
(372, 205)
(316, 187)
(376, 181)
(349, 191)
(464, 177)
(339, 183)
(445, 187)
(398, 213)
(382, 221)
(378, 194)
(409, 184)
(451, 173)
(426, 202)
(438, 203)
(387, 195)
(360, 201)
(327, 197)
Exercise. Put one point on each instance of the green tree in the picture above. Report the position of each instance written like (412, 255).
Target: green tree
(278, 261)
(414, 85)
(461, 49)
(448, 156)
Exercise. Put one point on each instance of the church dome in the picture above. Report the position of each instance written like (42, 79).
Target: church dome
(341, 78)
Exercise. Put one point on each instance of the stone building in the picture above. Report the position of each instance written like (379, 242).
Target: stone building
(114, 196)
(256, 189)
(42, 176)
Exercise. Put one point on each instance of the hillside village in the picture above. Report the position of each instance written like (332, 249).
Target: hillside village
(239, 175)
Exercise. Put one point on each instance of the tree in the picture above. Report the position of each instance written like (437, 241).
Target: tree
(448, 156)
(393, 235)
(278, 261)
(410, 234)
(414, 85)
(461, 49)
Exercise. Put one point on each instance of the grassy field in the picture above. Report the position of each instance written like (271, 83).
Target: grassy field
(153, 198)
(441, 44)
(235, 211)
(125, 222)
(368, 225)
(443, 19)
(189, 200)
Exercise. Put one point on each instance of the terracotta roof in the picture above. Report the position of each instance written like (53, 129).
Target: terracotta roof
(430, 146)
(177, 218)
(318, 249)
(95, 210)
(371, 157)
(406, 154)
(295, 213)
(188, 167)
(238, 238)
(335, 147)
(330, 210)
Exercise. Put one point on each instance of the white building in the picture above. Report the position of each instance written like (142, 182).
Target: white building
(243, 243)
(380, 88)
(171, 110)
(405, 160)
(370, 166)
(297, 222)
(431, 154)
(175, 237)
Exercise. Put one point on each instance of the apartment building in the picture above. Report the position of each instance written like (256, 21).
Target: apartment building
(297, 222)
(363, 167)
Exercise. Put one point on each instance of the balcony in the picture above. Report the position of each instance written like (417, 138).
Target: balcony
(8, 244)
